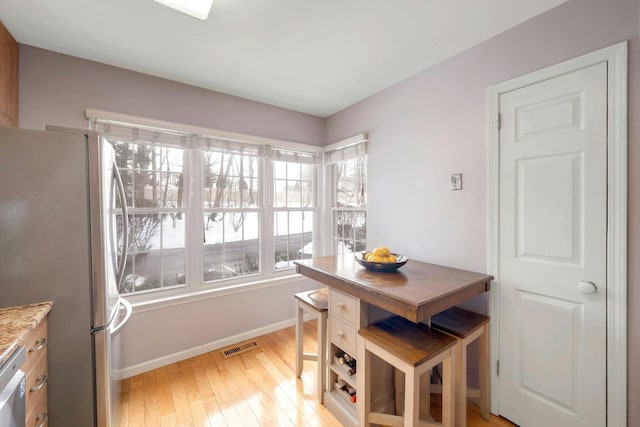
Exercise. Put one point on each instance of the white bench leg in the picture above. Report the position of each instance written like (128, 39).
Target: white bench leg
(449, 390)
(322, 355)
(425, 393)
(364, 383)
(299, 339)
(484, 374)
(412, 400)
(460, 375)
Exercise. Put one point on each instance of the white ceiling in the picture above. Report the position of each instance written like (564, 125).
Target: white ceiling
(313, 56)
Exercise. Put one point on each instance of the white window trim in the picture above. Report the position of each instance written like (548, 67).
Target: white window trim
(353, 140)
(271, 210)
(141, 122)
(328, 195)
(198, 289)
(169, 298)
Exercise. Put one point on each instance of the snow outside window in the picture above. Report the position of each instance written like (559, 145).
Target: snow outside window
(348, 168)
(233, 210)
(208, 212)
(153, 175)
(294, 205)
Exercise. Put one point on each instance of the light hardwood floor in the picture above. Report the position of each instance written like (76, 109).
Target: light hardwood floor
(255, 388)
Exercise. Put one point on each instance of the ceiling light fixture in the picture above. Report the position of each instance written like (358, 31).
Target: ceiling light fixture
(197, 8)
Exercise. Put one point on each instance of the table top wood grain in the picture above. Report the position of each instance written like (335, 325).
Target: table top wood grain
(416, 291)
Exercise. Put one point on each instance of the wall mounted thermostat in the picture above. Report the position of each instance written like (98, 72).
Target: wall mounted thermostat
(455, 182)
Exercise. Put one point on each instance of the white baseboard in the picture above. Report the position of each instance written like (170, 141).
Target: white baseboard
(201, 349)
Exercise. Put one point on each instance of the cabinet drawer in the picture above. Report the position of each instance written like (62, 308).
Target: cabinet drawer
(343, 335)
(37, 416)
(37, 378)
(35, 344)
(343, 306)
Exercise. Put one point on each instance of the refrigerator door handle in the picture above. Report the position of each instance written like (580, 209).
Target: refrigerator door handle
(129, 310)
(125, 226)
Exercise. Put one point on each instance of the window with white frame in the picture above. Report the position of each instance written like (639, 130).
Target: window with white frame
(294, 203)
(206, 211)
(152, 167)
(233, 209)
(347, 166)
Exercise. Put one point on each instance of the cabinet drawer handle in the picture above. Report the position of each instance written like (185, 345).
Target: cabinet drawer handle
(39, 345)
(340, 306)
(41, 419)
(41, 381)
(340, 334)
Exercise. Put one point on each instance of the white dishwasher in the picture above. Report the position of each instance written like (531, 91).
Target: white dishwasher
(12, 390)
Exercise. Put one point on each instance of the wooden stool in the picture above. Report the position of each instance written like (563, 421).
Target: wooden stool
(467, 326)
(314, 302)
(413, 349)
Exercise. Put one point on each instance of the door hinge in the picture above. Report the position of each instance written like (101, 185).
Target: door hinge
(499, 121)
(498, 367)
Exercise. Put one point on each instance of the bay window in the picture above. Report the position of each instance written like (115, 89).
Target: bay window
(207, 211)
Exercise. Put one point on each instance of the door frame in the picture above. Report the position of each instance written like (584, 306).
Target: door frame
(616, 58)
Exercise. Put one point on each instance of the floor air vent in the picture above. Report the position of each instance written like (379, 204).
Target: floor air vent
(239, 348)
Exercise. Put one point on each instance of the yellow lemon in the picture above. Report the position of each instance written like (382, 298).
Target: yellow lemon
(376, 259)
(385, 251)
(378, 252)
(368, 256)
(392, 258)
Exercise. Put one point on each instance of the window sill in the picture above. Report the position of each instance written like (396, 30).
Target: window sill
(160, 300)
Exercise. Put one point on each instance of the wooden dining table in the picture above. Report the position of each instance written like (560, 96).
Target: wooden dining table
(416, 291)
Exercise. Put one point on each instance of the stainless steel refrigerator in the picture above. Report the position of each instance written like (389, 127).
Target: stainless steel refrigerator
(58, 192)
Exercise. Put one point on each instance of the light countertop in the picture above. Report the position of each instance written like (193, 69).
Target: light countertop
(16, 323)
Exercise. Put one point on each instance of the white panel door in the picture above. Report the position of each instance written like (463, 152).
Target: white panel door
(552, 255)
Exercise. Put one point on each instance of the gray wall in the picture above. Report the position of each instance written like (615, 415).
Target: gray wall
(435, 123)
(56, 89)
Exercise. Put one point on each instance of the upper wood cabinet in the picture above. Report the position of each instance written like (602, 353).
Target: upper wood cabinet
(8, 79)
